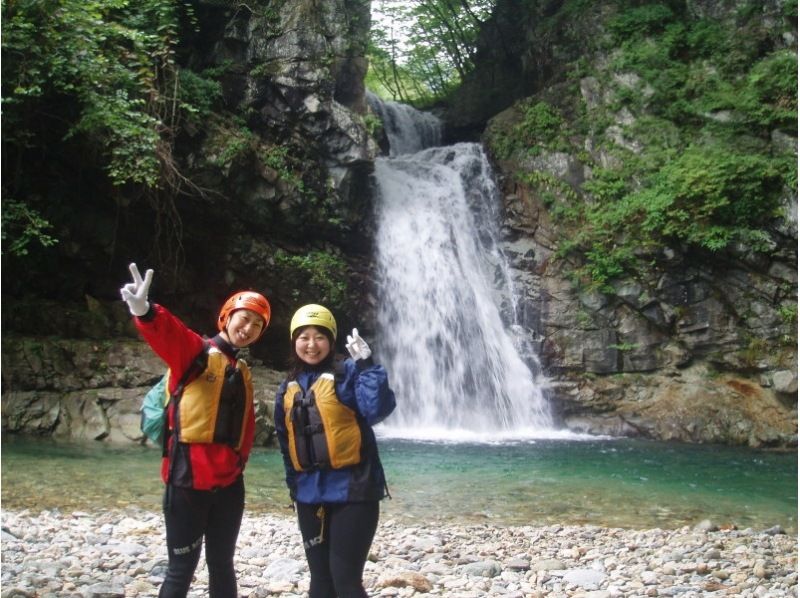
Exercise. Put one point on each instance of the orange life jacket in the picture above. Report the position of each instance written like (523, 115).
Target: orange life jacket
(322, 431)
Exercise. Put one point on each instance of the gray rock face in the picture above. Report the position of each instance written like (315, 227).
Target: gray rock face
(698, 346)
(100, 397)
(693, 350)
(300, 67)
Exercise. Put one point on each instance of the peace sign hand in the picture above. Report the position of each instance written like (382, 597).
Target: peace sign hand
(135, 293)
(357, 346)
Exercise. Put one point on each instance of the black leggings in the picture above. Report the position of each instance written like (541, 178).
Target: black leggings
(337, 538)
(191, 515)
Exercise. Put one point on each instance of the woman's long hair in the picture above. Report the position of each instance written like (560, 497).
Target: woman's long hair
(297, 365)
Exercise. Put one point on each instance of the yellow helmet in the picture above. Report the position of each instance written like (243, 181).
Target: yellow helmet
(313, 315)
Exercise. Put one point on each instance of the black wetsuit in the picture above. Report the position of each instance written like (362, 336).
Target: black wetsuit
(337, 541)
(191, 515)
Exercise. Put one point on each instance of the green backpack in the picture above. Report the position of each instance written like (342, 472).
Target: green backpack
(154, 406)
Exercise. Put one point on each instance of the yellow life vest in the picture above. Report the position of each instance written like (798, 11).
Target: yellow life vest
(323, 432)
(214, 406)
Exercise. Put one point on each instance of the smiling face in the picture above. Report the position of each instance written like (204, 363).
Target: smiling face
(312, 345)
(244, 328)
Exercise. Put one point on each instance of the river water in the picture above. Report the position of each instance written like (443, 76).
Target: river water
(608, 482)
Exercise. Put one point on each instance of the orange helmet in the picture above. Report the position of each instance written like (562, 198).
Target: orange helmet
(251, 300)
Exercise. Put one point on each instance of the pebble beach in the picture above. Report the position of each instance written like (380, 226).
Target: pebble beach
(116, 554)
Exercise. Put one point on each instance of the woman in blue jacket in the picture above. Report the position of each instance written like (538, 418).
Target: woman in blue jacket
(324, 413)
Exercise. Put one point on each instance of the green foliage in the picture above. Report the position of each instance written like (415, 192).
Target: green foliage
(96, 74)
(696, 67)
(707, 99)
(108, 56)
(420, 51)
(228, 142)
(711, 195)
(540, 124)
(606, 186)
(604, 263)
(199, 95)
(540, 127)
(278, 157)
(769, 96)
(316, 276)
(623, 347)
(394, 81)
(640, 21)
(22, 225)
(557, 195)
(708, 196)
(373, 124)
(788, 315)
(501, 140)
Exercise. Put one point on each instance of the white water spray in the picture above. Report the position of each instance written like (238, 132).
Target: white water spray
(408, 130)
(456, 368)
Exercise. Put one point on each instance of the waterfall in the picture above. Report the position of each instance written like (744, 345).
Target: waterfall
(457, 368)
(408, 130)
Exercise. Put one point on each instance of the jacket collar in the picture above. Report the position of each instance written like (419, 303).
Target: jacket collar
(228, 349)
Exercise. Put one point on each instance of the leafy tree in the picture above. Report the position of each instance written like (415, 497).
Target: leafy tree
(386, 76)
(23, 225)
(314, 276)
(421, 50)
(103, 55)
(96, 74)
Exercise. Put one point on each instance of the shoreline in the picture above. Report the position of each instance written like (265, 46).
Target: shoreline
(121, 553)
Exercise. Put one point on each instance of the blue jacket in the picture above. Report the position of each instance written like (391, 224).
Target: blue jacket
(364, 387)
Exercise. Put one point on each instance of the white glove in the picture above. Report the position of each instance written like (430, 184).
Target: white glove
(135, 293)
(357, 346)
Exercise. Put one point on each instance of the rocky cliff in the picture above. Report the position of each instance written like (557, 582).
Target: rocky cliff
(694, 345)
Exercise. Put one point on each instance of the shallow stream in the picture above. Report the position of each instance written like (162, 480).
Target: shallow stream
(608, 482)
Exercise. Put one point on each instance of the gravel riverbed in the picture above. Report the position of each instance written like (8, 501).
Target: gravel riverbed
(110, 554)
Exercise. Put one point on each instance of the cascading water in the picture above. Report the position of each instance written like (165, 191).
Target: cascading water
(456, 367)
(408, 130)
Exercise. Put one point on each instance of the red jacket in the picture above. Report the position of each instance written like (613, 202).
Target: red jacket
(211, 465)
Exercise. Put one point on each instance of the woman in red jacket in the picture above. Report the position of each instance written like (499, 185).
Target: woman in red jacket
(211, 424)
